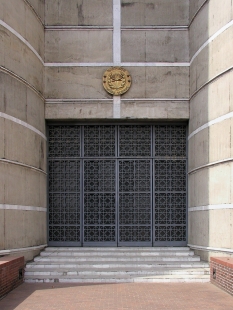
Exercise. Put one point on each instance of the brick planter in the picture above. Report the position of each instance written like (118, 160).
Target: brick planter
(11, 273)
(221, 273)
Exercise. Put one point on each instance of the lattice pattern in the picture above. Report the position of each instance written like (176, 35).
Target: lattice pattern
(99, 233)
(134, 141)
(134, 175)
(99, 141)
(170, 175)
(135, 234)
(99, 209)
(114, 183)
(134, 200)
(99, 200)
(135, 208)
(99, 176)
(170, 141)
(64, 141)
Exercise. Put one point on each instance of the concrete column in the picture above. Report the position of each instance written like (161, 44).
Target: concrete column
(210, 128)
(22, 128)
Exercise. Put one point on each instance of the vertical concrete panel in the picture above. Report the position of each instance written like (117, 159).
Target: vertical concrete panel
(2, 229)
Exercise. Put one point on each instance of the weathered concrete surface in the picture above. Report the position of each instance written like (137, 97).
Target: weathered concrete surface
(155, 46)
(158, 82)
(25, 22)
(21, 60)
(75, 82)
(78, 46)
(82, 110)
(78, 12)
(24, 228)
(155, 110)
(154, 12)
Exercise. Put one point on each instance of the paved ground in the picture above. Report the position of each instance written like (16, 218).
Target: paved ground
(117, 296)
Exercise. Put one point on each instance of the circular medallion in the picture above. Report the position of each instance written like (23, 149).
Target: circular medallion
(116, 81)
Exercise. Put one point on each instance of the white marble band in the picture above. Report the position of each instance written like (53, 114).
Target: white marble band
(210, 249)
(211, 207)
(22, 208)
(32, 248)
(2, 23)
(219, 162)
(214, 36)
(215, 121)
(22, 165)
(22, 123)
(116, 63)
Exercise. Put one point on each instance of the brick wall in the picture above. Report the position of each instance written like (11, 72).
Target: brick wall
(221, 273)
(9, 273)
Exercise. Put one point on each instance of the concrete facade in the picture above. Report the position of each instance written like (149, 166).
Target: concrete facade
(52, 58)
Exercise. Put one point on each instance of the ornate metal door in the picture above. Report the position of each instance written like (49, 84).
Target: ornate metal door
(115, 185)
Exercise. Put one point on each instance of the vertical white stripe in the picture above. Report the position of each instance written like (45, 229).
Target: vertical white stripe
(117, 32)
(116, 51)
(116, 106)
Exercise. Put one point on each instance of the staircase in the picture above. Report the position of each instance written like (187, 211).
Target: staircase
(112, 265)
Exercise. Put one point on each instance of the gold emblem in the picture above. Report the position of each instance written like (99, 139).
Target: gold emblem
(116, 81)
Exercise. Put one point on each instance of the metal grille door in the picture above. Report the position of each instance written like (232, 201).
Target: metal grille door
(115, 185)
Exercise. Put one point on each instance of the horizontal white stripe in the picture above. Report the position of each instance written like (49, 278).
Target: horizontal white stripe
(110, 100)
(219, 162)
(32, 248)
(21, 208)
(117, 63)
(77, 28)
(155, 99)
(210, 249)
(22, 123)
(148, 28)
(78, 64)
(22, 39)
(215, 121)
(75, 100)
(211, 207)
(21, 164)
(124, 28)
(220, 31)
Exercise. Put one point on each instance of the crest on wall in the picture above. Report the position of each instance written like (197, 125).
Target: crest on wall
(116, 81)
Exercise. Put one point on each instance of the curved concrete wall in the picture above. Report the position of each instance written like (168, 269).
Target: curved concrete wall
(22, 128)
(210, 128)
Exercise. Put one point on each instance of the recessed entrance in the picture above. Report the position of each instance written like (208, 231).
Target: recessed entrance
(117, 185)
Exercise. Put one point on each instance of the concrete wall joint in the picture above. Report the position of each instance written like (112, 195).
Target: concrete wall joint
(212, 38)
(11, 251)
(219, 162)
(2, 23)
(20, 79)
(22, 165)
(22, 123)
(34, 11)
(210, 249)
(215, 121)
(210, 207)
(197, 12)
(22, 208)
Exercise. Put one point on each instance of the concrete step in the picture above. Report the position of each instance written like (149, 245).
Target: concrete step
(116, 249)
(115, 279)
(116, 271)
(116, 254)
(138, 265)
(111, 265)
(112, 258)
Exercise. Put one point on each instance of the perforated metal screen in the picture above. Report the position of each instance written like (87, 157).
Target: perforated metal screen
(117, 185)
